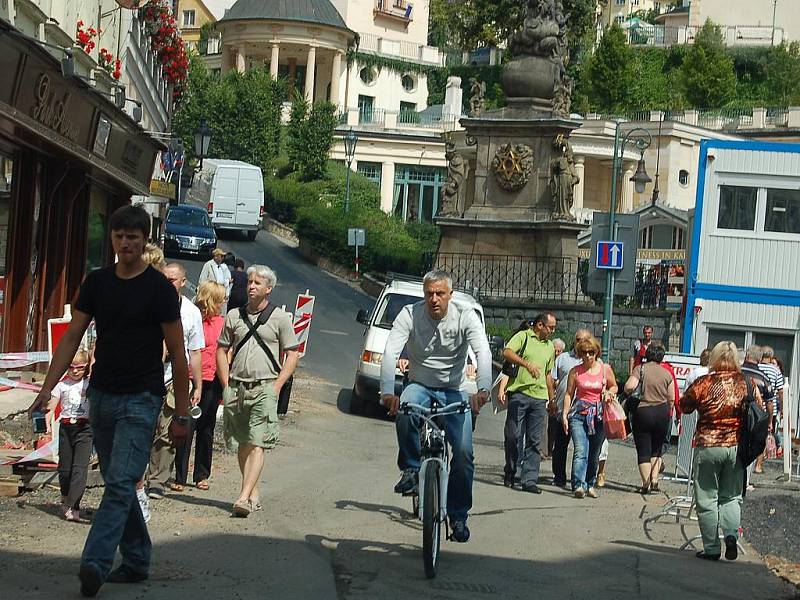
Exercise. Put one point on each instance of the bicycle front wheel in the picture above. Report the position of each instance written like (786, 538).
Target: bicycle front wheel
(431, 521)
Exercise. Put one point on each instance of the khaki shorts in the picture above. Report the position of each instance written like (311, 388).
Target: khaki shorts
(251, 415)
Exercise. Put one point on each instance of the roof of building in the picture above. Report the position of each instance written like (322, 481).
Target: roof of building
(320, 12)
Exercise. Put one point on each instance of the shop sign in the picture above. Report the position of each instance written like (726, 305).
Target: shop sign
(101, 136)
(52, 111)
(164, 189)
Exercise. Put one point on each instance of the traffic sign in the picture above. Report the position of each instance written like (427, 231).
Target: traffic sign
(355, 236)
(609, 255)
(303, 313)
(627, 232)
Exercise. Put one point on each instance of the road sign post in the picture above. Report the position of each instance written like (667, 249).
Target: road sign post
(303, 313)
(356, 237)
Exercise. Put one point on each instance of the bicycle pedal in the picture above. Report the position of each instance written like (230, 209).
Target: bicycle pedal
(414, 492)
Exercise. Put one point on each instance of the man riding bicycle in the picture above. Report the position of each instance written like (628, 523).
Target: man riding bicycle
(437, 335)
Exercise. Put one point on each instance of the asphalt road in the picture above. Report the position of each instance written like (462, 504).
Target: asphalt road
(332, 529)
(335, 337)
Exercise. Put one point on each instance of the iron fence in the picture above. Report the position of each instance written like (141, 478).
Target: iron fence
(553, 279)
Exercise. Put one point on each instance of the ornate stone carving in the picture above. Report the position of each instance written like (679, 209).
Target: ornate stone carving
(540, 54)
(456, 171)
(512, 166)
(563, 179)
(477, 91)
(562, 98)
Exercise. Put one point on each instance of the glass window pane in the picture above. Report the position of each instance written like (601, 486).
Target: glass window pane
(427, 204)
(737, 208)
(783, 211)
(715, 336)
(783, 345)
(370, 170)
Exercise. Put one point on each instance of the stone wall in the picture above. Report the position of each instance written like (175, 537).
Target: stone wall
(627, 324)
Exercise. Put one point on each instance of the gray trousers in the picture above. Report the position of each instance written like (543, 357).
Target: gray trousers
(525, 420)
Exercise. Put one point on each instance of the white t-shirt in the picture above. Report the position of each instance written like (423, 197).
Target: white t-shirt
(72, 395)
(193, 339)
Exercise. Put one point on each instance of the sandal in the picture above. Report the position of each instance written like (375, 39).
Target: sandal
(241, 508)
(255, 506)
(176, 487)
(202, 485)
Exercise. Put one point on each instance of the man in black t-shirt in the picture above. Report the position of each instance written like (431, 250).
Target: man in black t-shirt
(135, 311)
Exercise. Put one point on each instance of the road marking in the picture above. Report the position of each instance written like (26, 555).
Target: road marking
(331, 332)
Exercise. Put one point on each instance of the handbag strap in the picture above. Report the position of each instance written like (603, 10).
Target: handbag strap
(252, 332)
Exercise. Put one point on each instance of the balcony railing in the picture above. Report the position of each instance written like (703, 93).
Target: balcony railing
(411, 118)
(398, 10)
(371, 116)
(554, 279)
(725, 119)
(733, 35)
(404, 49)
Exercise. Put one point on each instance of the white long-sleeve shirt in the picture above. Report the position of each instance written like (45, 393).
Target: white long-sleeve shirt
(437, 350)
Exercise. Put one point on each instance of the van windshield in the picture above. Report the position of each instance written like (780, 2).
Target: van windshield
(390, 307)
(194, 218)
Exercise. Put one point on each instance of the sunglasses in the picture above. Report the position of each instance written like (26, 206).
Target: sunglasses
(78, 367)
(589, 353)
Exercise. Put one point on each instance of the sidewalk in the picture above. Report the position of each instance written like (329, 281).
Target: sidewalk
(14, 401)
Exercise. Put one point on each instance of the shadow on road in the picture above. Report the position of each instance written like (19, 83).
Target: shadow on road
(200, 501)
(394, 513)
(370, 410)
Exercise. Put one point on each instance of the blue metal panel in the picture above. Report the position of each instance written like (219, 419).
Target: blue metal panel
(749, 295)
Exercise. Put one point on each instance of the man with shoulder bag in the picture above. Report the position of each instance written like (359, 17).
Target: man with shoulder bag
(251, 385)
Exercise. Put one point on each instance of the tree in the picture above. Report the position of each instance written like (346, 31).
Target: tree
(470, 24)
(295, 132)
(309, 137)
(243, 111)
(608, 75)
(783, 75)
(707, 74)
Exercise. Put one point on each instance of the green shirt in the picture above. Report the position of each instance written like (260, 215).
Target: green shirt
(541, 354)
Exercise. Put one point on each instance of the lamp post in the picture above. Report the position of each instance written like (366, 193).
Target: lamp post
(202, 140)
(640, 179)
(350, 141)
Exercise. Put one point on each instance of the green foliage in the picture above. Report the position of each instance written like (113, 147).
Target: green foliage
(783, 75)
(316, 208)
(707, 71)
(295, 132)
(309, 138)
(243, 111)
(609, 72)
(362, 59)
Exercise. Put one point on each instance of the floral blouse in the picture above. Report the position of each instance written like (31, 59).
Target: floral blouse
(718, 399)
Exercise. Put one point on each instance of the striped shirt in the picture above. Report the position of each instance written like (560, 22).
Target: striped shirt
(775, 377)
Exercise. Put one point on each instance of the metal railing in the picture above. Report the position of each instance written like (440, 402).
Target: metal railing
(725, 119)
(733, 35)
(412, 118)
(554, 279)
(371, 116)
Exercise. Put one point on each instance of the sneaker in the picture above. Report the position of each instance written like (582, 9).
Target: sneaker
(601, 480)
(531, 488)
(91, 580)
(591, 492)
(731, 550)
(144, 504)
(124, 574)
(408, 482)
(579, 493)
(156, 493)
(460, 531)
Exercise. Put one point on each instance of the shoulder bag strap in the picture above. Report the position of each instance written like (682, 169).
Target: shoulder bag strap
(263, 317)
(252, 331)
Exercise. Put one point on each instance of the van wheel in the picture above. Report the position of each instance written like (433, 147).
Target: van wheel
(356, 403)
(251, 235)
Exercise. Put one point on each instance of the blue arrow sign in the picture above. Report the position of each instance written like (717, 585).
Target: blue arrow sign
(609, 255)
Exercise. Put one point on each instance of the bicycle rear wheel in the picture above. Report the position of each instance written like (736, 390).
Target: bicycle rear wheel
(431, 522)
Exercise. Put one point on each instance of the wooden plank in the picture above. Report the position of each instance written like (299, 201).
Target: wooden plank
(40, 478)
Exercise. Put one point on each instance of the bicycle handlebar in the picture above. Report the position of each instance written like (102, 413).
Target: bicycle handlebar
(456, 407)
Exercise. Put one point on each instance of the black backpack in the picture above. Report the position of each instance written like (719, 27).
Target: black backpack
(755, 428)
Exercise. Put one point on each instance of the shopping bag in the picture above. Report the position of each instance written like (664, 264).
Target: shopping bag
(614, 421)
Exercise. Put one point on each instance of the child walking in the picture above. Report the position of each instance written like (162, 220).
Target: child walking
(74, 434)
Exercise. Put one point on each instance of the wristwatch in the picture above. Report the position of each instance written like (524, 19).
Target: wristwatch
(180, 419)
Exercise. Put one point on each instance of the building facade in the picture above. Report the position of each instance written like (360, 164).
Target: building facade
(743, 280)
(73, 147)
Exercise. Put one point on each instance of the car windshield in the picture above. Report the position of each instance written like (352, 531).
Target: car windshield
(391, 306)
(193, 218)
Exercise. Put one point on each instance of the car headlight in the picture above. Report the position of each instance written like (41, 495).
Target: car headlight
(171, 236)
(372, 357)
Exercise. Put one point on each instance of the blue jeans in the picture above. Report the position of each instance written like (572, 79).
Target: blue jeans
(458, 429)
(523, 436)
(123, 426)
(586, 451)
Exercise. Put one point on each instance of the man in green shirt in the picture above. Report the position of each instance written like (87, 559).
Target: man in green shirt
(530, 396)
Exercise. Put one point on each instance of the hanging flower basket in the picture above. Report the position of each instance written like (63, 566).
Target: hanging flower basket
(166, 42)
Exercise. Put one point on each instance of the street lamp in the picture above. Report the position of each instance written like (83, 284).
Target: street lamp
(202, 140)
(350, 141)
(640, 179)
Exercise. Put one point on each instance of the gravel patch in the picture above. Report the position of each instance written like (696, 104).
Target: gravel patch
(769, 518)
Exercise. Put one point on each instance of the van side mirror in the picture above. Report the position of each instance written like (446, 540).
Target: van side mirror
(362, 317)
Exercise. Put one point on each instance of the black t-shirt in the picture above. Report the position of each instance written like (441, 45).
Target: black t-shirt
(128, 314)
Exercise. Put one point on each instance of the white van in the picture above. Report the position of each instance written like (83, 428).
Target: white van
(233, 193)
(396, 294)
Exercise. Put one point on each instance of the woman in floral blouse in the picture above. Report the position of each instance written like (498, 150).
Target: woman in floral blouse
(718, 399)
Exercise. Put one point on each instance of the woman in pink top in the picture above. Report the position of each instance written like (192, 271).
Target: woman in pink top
(590, 384)
(210, 298)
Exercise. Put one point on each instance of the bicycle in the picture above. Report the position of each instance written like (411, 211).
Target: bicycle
(430, 501)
